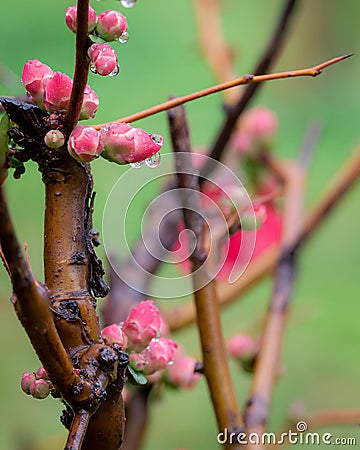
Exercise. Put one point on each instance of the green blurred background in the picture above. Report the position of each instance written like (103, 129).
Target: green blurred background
(161, 58)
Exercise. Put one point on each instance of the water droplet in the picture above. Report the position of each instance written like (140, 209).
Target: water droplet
(115, 71)
(137, 165)
(153, 161)
(124, 37)
(157, 138)
(128, 3)
(106, 129)
(93, 68)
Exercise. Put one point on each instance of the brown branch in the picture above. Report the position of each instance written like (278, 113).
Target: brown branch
(264, 265)
(33, 308)
(78, 430)
(215, 362)
(216, 51)
(81, 65)
(246, 79)
(265, 63)
(267, 361)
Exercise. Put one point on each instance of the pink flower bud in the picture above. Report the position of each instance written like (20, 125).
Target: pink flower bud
(260, 123)
(113, 334)
(90, 104)
(54, 139)
(57, 92)
(71, 18)
(242, 346)
(27, 379)
(85, 143)
(164, 327)
(104, 60)
(158, 355)
(34, 77)
(41, 373)
(112, 25)
(137, 361)
(142, 325)
(125, 144)
(39, 389)
(181, 372)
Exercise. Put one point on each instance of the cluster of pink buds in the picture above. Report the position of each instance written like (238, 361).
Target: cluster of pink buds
(258, 126)
(139, 336)
(52, 90)
(119, 142)
(36, 384)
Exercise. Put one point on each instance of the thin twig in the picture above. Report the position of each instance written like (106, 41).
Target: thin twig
(246, 79)
(338, 187)
(78, 430)
(265, 63)
(208, 318)
(81, 65)
(267, 361)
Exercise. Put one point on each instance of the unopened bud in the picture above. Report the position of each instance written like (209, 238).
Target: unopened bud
(71, 18)
(40, 389)
(84, 143)
(113, 334)
(54, 139)
(27, 379)
(104, 60)
(112, 26)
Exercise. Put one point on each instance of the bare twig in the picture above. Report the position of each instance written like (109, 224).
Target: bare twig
(246, 79)
(215, 362)
(81, 65)
(78, 430)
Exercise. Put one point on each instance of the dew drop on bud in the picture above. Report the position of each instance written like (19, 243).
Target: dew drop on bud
(115, 71)
(157, 138)
(153, 161)
(93, 68)
(124, 37)
(137, 165)
(128, 3)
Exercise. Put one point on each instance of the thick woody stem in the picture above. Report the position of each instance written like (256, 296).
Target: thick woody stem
(81, 65)
(78, 430)
(33, 308)
(215, 362)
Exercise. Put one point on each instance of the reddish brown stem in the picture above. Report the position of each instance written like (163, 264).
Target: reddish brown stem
(78, 430)
(246, 79)
(215, 362)
(81, 65)
(33, 308)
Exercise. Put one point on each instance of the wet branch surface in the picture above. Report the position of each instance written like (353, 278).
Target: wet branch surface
(216, 368)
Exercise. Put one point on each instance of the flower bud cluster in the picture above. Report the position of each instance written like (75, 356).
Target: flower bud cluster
(36, 384)
(52, 90)
(108, 26)
(119, 142)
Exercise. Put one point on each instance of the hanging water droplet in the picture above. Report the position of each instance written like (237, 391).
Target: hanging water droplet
(115, 71)
(153, 161)
(124, 37)
(93, 68)
(128, 3)
(137, 165)
(157, 138)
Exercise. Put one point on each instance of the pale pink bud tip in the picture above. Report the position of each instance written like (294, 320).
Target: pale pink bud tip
(112, 26)
(124, 144)
(104, 60)
(137, 361)
(27, 379)
(84, 143)
(181, 372)
(260, 123)
(142, 325)
(113, 334)
(158, 355)
(71, 18)
(42, 373)
(54, 139)
(90, 104)
(57, 92)
(34, 77)
(39, 389)
(242, 346)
